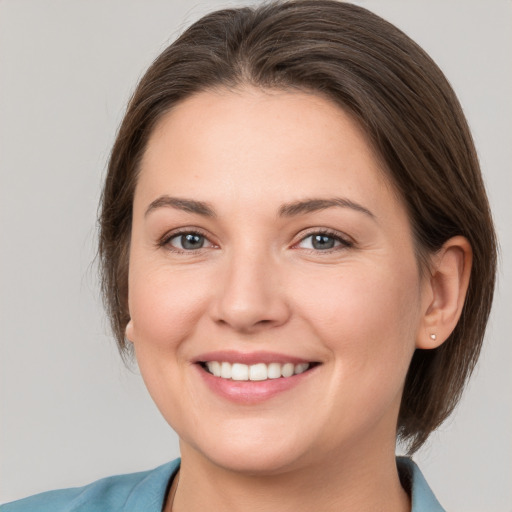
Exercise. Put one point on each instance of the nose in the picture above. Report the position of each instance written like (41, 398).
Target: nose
(251, 296)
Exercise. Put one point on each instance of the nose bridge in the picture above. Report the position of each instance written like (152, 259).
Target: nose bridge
(250, 296)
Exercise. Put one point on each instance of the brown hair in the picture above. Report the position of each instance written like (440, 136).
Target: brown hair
(409, 113)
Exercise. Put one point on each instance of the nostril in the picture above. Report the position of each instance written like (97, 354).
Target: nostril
(246, 323)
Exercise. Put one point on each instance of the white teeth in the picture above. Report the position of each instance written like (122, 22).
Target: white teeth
(239, 371)
(287, 370)
(300, 368)
(225, 370)
(258, 371)
(214, 367)
(274, 371)
(255, 372)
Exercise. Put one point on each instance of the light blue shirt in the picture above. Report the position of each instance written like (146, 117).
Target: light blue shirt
(145, 492)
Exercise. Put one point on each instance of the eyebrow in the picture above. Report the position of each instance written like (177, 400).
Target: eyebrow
(313, 205)
(186, 205)
(286, 210)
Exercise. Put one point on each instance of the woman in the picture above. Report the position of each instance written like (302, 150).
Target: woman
(297, 246)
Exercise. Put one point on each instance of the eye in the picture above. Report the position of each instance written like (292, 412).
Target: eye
(188, 241)
(323, 242)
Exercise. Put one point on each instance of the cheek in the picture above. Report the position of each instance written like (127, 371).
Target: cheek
(165, 306)
(366, 317)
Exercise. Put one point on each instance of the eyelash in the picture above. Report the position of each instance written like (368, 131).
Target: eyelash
(344, 243)
(165, 241)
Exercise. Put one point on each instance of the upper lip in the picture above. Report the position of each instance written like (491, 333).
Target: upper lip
(233, 356)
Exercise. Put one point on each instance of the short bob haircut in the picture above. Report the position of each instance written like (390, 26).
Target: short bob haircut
(409, 113)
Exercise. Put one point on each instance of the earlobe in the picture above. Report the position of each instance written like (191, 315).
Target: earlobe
(447, 286)
(128, 332)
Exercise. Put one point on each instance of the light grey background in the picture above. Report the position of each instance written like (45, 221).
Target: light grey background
(70, 411)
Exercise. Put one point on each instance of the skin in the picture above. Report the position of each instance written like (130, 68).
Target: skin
(359, 309)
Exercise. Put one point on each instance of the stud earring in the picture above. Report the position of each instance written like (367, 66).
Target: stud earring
(433, 337)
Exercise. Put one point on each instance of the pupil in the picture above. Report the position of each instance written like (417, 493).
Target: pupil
(323, 242)
(192, 241)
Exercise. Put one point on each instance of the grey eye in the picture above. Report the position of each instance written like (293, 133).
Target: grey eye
(322, 242)
(188, 241)
(319, 242)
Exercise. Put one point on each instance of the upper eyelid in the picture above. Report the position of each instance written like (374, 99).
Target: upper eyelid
(168, 235)
(326, 232)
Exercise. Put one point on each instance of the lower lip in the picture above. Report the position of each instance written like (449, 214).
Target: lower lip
(251, 392)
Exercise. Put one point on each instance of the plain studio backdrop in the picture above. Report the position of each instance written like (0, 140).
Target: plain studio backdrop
(70, 411)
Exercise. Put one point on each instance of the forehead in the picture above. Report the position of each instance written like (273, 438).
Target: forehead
(252, 143)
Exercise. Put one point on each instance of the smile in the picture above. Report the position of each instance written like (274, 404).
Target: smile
(254, 372)
(249, 378)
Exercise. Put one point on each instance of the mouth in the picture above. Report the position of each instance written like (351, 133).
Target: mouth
(255, 372)
(251, 378)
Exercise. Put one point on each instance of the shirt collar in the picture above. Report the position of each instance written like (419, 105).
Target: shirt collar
(422, 497)
(155, 484)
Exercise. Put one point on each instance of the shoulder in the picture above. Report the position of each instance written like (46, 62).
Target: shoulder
(121, 493)
(422, 497)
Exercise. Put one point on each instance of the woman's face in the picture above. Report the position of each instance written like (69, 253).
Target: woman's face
(266, 242)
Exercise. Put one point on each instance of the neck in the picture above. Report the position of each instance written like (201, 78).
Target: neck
(365, 482)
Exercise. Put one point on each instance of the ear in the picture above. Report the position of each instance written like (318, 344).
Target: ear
(444, 292)
(128, 332)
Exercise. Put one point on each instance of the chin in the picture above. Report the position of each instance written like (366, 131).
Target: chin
(249, 452)
(261, 462)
